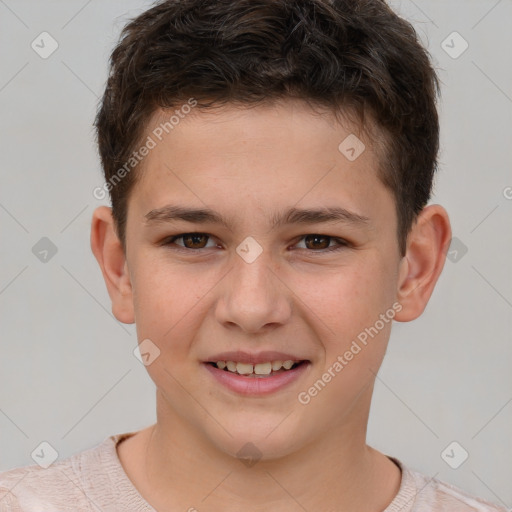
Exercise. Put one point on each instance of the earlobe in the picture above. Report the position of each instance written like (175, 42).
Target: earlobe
(108, 250)
(420, 268)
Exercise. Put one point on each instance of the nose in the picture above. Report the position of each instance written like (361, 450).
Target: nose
(253, 296)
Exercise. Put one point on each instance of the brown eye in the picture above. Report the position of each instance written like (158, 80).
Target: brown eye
(317, 241)
(186, 241)
(321, 244)
(195, 240)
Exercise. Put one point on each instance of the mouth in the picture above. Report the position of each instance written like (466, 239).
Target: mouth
(260, 370)
(259, 379)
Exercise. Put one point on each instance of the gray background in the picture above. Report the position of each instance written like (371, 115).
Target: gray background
(68, 375)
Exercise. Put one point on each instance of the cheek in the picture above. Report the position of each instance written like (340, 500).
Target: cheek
(166, 303)
(348, 299)
(164, 290)
(364, 323)
(353, 335)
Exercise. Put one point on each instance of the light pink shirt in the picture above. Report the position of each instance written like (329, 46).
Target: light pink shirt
(94, 480)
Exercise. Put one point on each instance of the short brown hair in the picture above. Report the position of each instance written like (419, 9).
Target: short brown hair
(352, 56)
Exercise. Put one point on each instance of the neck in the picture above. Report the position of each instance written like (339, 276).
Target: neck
(336, 471)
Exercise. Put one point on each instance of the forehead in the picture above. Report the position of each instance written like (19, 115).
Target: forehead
(265, 155)
(285, 118)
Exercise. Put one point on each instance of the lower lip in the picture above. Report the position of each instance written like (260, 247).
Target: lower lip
(257, 386)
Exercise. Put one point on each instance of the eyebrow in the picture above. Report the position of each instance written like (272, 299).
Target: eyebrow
(170, 213)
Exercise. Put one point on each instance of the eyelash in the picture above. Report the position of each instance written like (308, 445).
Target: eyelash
(342, 244)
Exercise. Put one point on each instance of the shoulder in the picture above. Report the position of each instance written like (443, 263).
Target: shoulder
(448, 497)
(420, 492)
(68, 484)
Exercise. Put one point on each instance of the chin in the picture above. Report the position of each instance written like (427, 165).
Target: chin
(251, 443)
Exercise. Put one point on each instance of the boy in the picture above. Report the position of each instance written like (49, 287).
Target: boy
(269, 165)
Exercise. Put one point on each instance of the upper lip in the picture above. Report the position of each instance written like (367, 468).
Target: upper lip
(239, 356)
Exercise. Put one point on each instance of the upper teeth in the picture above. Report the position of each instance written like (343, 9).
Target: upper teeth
(258, 369)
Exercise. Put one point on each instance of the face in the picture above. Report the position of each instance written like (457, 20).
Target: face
(260, 276)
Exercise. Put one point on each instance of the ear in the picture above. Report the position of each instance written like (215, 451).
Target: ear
(108, 250)
(427, 245)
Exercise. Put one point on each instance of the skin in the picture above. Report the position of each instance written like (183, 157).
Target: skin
(296, 296)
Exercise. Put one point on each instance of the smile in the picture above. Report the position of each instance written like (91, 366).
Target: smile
(260, 369)
(258, 379)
